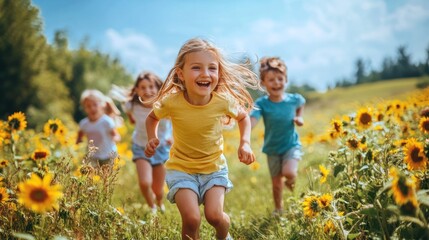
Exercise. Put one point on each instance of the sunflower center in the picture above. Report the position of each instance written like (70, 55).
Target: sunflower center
(403, 188)
(1, 197)
(415, 155)
(54, 127)
(353, 143)
(39, 155)
(380, 117)
(365, 118)
(314, 205)
(39, 195)
(337, 127)
(14, 123)
(425, 125)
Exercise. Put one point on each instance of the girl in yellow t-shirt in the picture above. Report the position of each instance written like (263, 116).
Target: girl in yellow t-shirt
(202, 91)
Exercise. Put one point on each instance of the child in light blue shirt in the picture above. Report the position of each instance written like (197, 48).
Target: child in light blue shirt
(281, 112)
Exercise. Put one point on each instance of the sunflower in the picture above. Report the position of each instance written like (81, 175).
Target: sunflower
(17, 122)
(403, 188)
(414, 155)
(55, 127)
(337, 128)
(329, 227)
(3, 163)
(38, 194)
(4, 196)
(424, 124)
(354, 144)
(40, 154)
(311, 206)
(324, 173)
(325, 200)
(364, 118)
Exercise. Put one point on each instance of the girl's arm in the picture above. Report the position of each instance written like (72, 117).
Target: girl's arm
(79, 136)
(245, 153)
(298, 119)
(131, 117)
(151, 128)
(253, 122)
(115, 135)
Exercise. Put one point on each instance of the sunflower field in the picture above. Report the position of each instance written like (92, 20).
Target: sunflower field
(365, 177)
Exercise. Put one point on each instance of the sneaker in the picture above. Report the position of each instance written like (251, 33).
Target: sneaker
(162, 208)
(153, 211)
(277, 212)
(228, 237)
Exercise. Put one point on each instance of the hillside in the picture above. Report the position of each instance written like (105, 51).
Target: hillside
(322, 107)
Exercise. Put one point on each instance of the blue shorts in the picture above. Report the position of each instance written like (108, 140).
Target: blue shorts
(161, 155)
(199, 183)
(276, 162)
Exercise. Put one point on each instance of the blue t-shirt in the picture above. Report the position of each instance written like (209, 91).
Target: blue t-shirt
(280, 133)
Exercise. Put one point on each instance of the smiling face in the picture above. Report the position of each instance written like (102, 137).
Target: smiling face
(146, 89)
(275, 82)
(200, 76)
(93, 107)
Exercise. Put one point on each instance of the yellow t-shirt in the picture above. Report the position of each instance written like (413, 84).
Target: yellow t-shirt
(197, 132)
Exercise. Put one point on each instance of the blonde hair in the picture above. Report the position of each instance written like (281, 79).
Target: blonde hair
(106, 102)
(272, 63)
(233, 78)
(93, 94)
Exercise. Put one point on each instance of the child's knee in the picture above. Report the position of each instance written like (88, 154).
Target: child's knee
(192, 221)
(290, 175)
(215, 218)
(145, 184)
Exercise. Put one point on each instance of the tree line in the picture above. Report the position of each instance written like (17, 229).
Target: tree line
(45, 80)
(392, 68)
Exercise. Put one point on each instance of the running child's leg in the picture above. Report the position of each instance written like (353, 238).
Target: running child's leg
(213, 210)
(144, 173)
(158, 172)
(277, 182)
(187, 203)
(290, 171)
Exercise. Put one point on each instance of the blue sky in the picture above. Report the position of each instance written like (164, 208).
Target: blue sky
(318, 39)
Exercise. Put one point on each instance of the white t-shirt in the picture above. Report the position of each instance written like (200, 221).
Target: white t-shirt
(140, 114)
(100, 132)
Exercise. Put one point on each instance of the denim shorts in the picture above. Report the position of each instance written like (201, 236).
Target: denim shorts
(199, 183)
(161, 155)
(276, 162)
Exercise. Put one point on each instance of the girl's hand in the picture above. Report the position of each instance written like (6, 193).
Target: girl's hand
(151, 146)
(299, 121)
(245, 154)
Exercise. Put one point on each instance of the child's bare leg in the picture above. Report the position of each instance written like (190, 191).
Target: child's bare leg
(213, 210)
(290, 171)
(144, 173)
(158, 172)
(187, 203)
(278, 191)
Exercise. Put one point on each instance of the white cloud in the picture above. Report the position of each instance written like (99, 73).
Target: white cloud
(138, 52)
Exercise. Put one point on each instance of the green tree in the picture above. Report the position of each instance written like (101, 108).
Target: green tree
(21, 54)
(360, 71)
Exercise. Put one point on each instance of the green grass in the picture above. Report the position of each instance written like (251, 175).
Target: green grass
(250, 202)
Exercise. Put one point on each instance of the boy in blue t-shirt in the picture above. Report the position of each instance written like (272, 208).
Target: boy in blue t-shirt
(280, 112)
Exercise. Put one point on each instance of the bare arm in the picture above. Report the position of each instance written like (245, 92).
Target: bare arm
(151, 128)
(245, 153)
(79, 137)
(115, 135)
(253, 122)
(131, 117)
(298, 119)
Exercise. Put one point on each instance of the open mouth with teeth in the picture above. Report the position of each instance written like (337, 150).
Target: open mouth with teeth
(203, 84)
